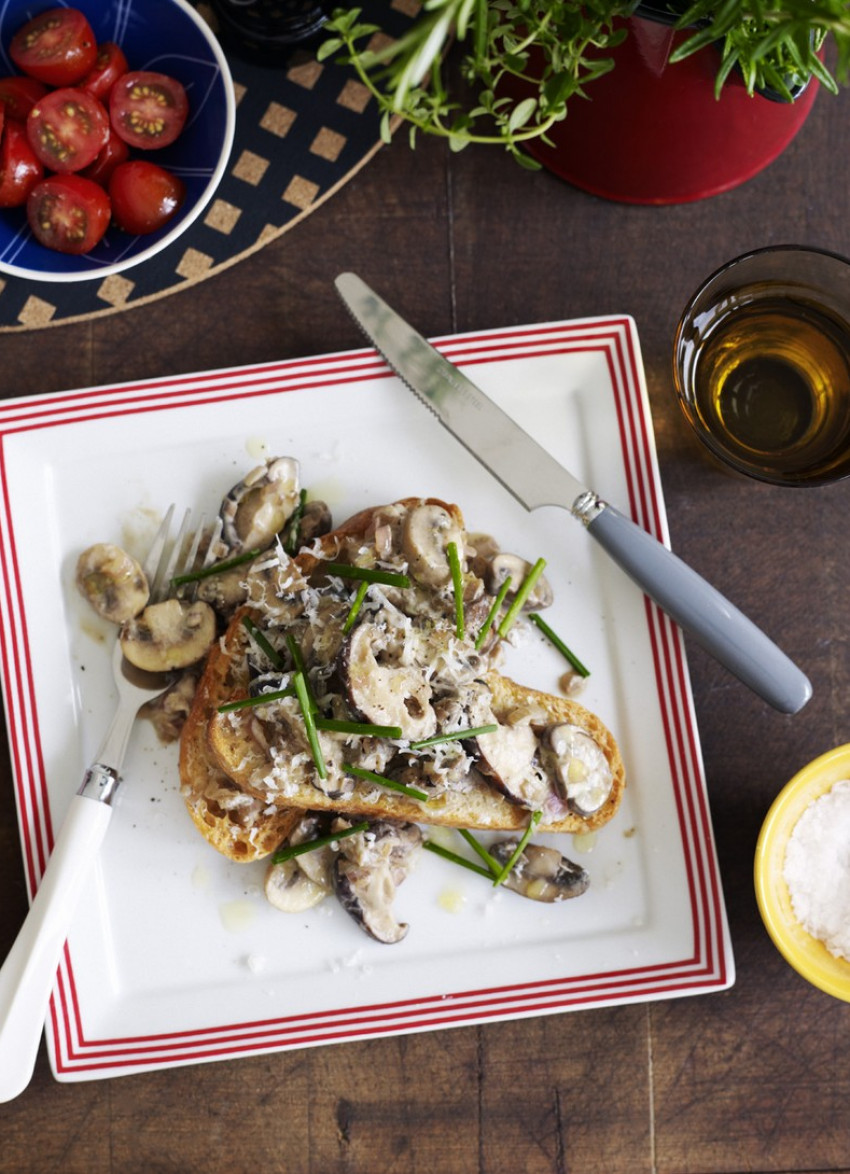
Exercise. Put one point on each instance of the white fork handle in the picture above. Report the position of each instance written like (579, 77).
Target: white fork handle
(28, 974)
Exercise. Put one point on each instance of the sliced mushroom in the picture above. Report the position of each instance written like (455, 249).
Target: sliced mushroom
(503, 566)
(385, 693)
(508, 759)
(426, 534)
(112, 581)
(316, 520)
(542, 874)
(582, 772)
(224, 592)
(289, 889)
(168, 712)
(257, 507)
(317, 864)
(169, 635)
(367, 872)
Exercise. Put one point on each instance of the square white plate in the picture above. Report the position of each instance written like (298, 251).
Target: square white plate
(175, 956)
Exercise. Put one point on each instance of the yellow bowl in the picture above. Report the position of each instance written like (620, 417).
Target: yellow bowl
(806, 954)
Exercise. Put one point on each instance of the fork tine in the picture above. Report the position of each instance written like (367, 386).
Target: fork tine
(151, 565)
(210, 554)
(167, 561)
(169, 569)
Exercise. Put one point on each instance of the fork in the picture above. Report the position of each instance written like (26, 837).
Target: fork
(28, 974)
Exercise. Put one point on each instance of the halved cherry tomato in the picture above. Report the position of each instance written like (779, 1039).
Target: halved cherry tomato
(19, 168)
(68, 213)
(20, 94)
(144, 196)
(58, 47)
(67, 129)
(116, 151)
(148, 110)
(109, 66)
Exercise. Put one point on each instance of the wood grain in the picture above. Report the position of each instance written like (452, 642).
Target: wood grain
(754, 1079)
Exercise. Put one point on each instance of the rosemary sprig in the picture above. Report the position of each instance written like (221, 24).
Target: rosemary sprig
(457, 588)
(292, 850)
(371, 777)
(262, 643)
(493, 612)
(525, 589)
(556, 640)
(454, 736)
(366, 574)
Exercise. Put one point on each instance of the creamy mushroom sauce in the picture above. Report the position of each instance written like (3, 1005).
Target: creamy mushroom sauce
(403, 665)
(400, 663)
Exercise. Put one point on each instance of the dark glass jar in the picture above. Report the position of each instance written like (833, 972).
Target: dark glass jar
(265, 31)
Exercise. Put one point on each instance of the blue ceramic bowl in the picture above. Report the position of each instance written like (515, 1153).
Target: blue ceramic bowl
(167, 36)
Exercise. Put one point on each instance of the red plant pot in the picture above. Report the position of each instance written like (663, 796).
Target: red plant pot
(654, 133)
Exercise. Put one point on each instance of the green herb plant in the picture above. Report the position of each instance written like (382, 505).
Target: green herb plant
(524, 60)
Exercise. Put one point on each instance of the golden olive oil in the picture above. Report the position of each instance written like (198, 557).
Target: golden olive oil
(772, 386)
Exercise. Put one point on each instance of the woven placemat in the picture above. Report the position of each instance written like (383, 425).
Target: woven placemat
(302, 130)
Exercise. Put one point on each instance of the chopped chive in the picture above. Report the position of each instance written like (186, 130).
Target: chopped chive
(262, 643)
(291, 850)
(492, 863)
(522, 594)
(298, 661)
(306, 703)
(520, 848)
(370, 776)
(447, 854)
(364, 729)
(260, 699)
(493, 612)
(293, 525)
(555, 639)
(457, 587)
(366, 574)
(454, 736)
(356, 604)
(215, 568)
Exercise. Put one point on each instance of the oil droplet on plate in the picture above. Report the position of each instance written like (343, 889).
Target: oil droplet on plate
(584, 841)
(256, 448)
(237, 915)
(452, 900)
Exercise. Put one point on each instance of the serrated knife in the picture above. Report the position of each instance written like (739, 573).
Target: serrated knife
(535, 479)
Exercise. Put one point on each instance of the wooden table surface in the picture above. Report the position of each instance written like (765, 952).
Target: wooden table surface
(755, 1078)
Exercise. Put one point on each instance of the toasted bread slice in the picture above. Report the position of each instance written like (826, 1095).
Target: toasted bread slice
(265, 752)
(235, 822)
(241, 745)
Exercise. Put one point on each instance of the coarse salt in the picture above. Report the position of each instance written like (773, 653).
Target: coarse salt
(817, 869)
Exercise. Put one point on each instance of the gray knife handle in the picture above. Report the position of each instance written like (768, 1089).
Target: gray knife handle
(702, 611)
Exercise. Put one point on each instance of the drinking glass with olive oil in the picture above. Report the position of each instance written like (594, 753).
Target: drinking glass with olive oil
(762, 365)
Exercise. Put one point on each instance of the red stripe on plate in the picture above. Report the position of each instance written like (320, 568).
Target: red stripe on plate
(705, 969)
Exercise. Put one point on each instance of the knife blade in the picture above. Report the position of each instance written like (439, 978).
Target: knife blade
(535, 479)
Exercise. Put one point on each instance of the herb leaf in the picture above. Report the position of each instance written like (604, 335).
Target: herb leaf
(292, 850)
(556, 640)
(366, 574)
(454, 736)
